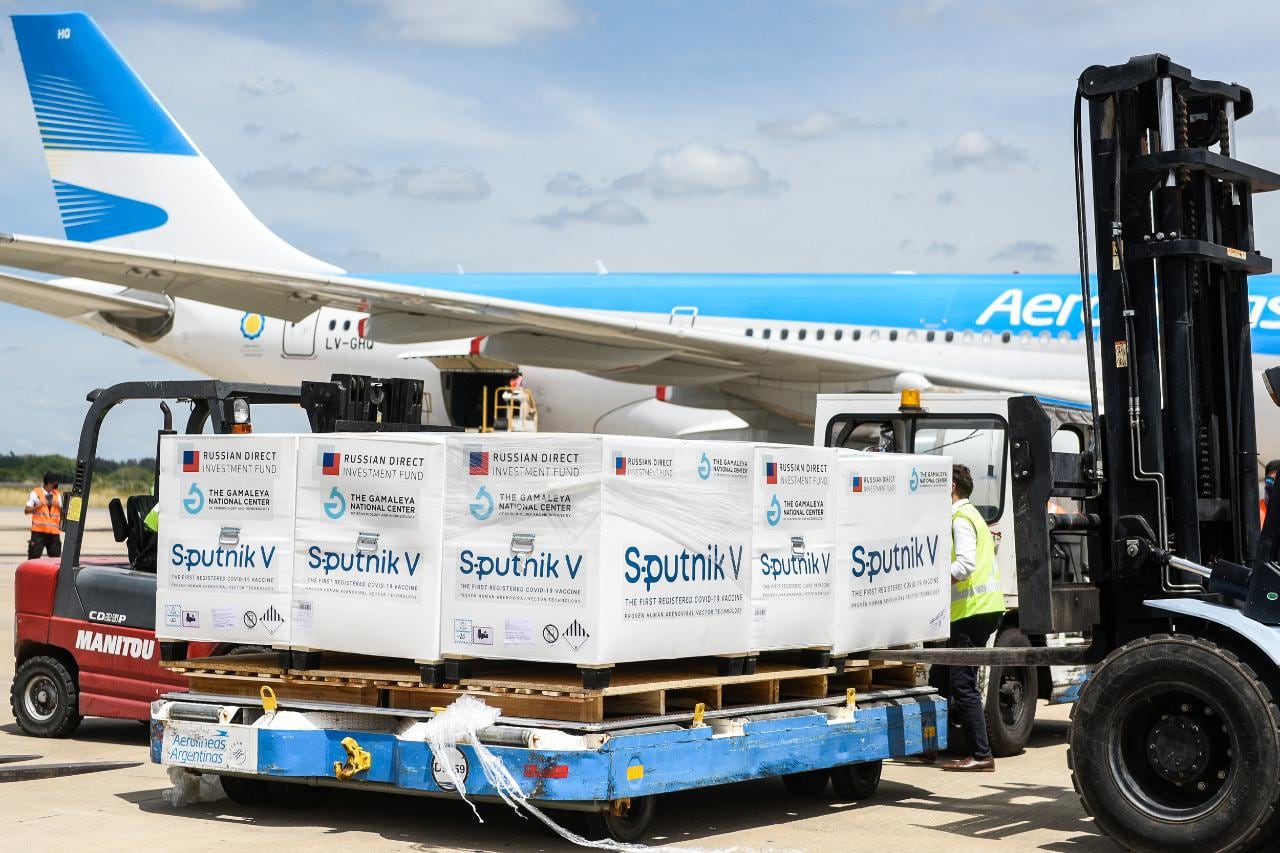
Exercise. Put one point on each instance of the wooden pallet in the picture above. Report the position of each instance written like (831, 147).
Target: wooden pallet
(542, 691)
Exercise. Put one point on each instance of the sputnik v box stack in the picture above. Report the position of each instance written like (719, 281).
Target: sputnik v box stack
(225, 551)
(893, 549)
(793, 547)
(596, 550)
(366, 574)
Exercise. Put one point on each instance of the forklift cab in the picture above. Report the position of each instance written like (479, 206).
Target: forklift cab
(122, 592)
(971, 428)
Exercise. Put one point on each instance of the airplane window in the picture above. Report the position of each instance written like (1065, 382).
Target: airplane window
(911, 335)
(766, 334)
(800, 334)
(783, 334)
(875, 334)
(929, 336)
(951, 336)
(1005, 336)
(333, 324)
(893, 334)
(986, 336)
(346, 325)
(750, 332)
(819, 334)
(968, 336)
(857, 334)
(1024, 338)
(1064, 336)
(839, 334)
(1044, 337)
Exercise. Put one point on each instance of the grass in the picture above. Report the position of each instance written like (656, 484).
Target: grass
(16, 497)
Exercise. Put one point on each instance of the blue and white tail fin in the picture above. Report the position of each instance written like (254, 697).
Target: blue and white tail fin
(124, 172)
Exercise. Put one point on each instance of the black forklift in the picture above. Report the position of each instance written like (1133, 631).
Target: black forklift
(1175, 738)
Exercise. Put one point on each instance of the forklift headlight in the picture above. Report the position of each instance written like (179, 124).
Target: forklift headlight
(237, 415)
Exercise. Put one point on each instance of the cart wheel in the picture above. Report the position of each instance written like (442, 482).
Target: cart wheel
(293, 795)
(856, 781)
(45, 698)
(1011, 697)
(246, 792)
(810, 783)
(628, 827)
(1175, 747)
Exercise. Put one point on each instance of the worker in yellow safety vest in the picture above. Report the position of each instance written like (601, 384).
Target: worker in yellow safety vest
(977, 604)
(44, 505)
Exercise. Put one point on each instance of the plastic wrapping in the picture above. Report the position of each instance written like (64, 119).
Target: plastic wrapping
(367, 544)
(190, 788)
(893, 549)
(595, 549)
(793, 547)
(225, 552)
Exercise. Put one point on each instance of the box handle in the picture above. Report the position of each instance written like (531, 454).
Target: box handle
(522, 543)
(229, 537)
(797, 545)
(367, 542)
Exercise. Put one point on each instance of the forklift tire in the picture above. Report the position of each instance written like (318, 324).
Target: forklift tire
(856, 781)
(45, 698)
(1012, 693)
(246, 792)
(629, 828)
(1175, 747)
(293, 795)
(810, 783)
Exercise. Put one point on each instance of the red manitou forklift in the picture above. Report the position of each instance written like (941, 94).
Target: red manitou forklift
(84, 629)
(1175, 737)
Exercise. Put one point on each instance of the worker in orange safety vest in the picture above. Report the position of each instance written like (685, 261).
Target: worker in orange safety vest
(44, 505)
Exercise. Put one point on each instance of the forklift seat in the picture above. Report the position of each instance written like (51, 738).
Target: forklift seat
(119, 524)
(142, 542)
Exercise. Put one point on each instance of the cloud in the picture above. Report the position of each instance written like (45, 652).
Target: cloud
(472, 23)
(946, 198)
(901, 195)
(612, 211)
(573, 184)
(442, 183)
(946, 250)
(975, 148)
(210, 5)
(817, 124)
(336, 177)
(262, 87)
(1032, 251)
(255, 131)
(697, 168)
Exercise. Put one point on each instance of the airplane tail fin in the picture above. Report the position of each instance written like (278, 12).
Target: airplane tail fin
(124, 173)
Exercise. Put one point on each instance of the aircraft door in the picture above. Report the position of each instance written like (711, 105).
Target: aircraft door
(300, 338)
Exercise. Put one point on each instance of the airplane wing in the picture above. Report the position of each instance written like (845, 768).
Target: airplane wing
(525, 333)
(60, 300)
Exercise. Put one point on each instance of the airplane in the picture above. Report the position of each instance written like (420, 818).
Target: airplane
(161, 253)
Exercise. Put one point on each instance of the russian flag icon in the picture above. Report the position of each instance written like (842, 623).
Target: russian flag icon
(330, 463)
(620, 465)
(855, 484)
(478, 463)
(190, 461)
(770, 471)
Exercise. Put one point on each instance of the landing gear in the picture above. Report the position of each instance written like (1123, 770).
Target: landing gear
(1012, 692)
(45, 698)
(1175, 747)
(626, 821)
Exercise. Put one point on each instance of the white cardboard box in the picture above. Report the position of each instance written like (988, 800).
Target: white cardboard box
(893, 550)
(793, 547)
(366, 574)
(225, 550)
(595, 549)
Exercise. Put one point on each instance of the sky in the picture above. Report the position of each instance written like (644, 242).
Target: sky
(542, 135)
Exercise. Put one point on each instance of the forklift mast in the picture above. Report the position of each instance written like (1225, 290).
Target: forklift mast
(1172, 487)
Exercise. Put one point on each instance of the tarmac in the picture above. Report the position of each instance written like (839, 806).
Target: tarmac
(1026, 804)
